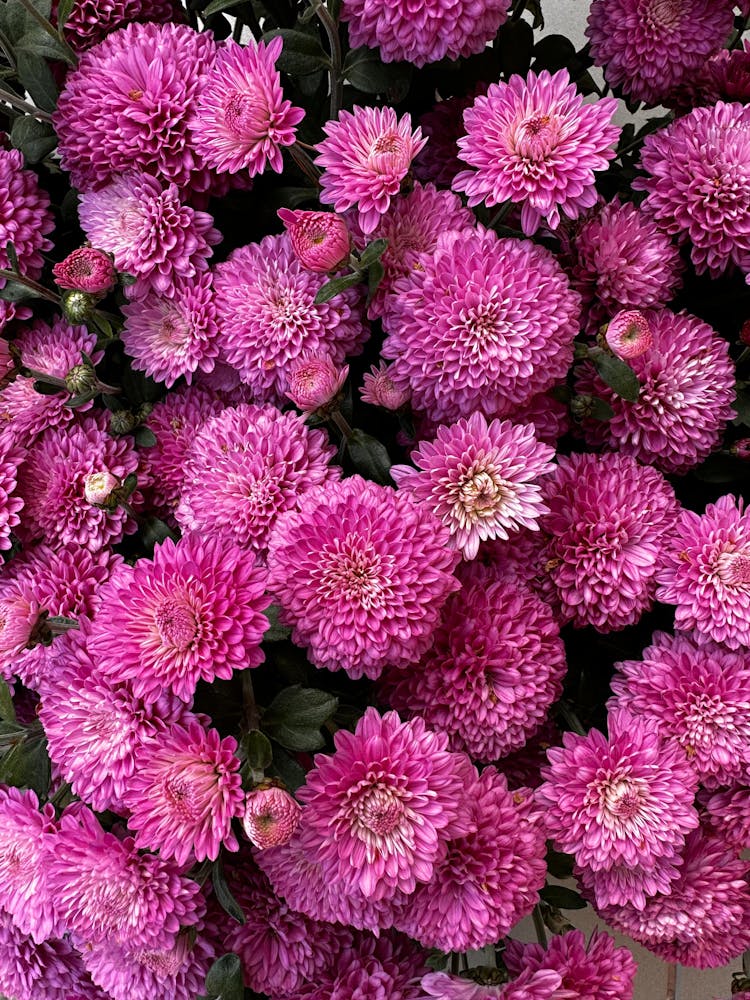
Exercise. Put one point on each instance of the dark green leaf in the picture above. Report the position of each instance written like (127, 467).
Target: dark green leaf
(81, 399)
(35, 139)
(224, 895)
(257, 750)
(337, 285)
(742, 405)
(224, 979)
(369, 457)
(553, 53)
(218, 6)
(301, 53)
(38, 42)
(64, 9)
(7, 711)
(145, 437)
(275, 632)
(14, 291)
(129, 485)
(12, 256)
(295, 716)
(600, 409)
(366, 71)
(515, 43)
(720, 468)
(155, 531)
(559, 865)
(46, 388)
(37, 78)
(287, 769)
(375, 274)
(372, 252)
(616, 374)
(562, 897)
(437, 960)
(26, 765)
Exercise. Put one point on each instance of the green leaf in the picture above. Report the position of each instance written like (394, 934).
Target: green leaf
(295, 716)
(301, 54)
(145, 437)
(365, 70)
(154, 531)
(616, 374)
(223, 894)
(218, 6)
(559, 865)
(436, 959)
(375, 274)
(287, 769)
(26, 765)
(562, 898)
(38, 42)
(336, 285)
(224, 980)
(742, 405)
(275, 632)
(37, 78)
(7, 711)
(554, 52)
(35, 139)
(14, 291)
(515, 43)
(64, 9)
(257, 750)
(10, 253)
(373, 252)
(369, 457)
(600, 409)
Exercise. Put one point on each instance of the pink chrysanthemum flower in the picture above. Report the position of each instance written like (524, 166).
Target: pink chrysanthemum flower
(25, 221)
(687, 390)
(696, 693)
(412, 226)
(705, 571)
(126, 107)
(727, 814)
(193, 612)
(425, 33)
(149, 232)
(629, 334)
(489, 879)
(11, 456)
(51, 970)
(698, 185)
(176, 973)
(376, 811)
(268, 317)
(628, 884)
(365, 157)
(241, 120)
(19, 616)
(704, 920)
(533, 141)
(484, 324)
(480, 479)
(541, 985)
(723, 77)
(52, 482)
(626, 800)
(279, 949)
(378, 388)
(549, 417)
(270, 818)
(444, 125)
(619, 259)
(25, 832)
(106, 890)
(170, 336)
(246, 467)
(174, 422)
(596, 970)
(361, 573)
(610, 520)
(90, 21)
(86, 270)
(185, 793)
(96, 728)
(313, 380)
(495, 667)
(55, 350)
(321, 240)
(650, 47)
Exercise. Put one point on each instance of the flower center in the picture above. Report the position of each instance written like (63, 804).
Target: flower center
(176, 623)
(733, 568)
(245, 114)
(664, 13)
(351, 572)
(379, 810)
(480, 494)
(389, 150)
(621, 798)
(537, 137)
(178, 794)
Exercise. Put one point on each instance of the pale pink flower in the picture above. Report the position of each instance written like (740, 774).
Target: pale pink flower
(629, 334)
(378, 388)
(313, 381)
(320, 240)
(271, 816)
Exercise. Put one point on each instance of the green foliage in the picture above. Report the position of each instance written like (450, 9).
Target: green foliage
(224, 979)
(295, 716)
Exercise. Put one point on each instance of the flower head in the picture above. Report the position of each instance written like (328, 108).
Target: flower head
(51, 970)
(484, 324)
(271, 816)
(629, 334)
(535, 142)
(246, 467)
(87, 270)
(727, 815)
(193, 612)
(365, 157)
(11, 456)
(378, 389)
(361, 573)
(320, 240)
(649, 48)
(376, 811)
(314, 381)
(541, 985)
(241, 120)
(444, 125)
(149, 232)
(265, 301)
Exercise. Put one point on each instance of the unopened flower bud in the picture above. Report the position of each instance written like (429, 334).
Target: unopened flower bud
(81, 378)
(77, 306)
(313, 381)
(582, 407)
(98, 487)
(320, 240)
(122, 421)
(271, 817)
(629, 334)
(86, 270)
(741, 449)
(380, 390)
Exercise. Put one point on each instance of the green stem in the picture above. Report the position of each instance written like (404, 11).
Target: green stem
(735, 42)
(70, 55)
(8, 97)
(7, 48)
(341, 423)
(571, 718)
(305, 164)
(249, 704)
(502, 213)
(40, 290)
(60, 794)
(541, 933)
(337, 58)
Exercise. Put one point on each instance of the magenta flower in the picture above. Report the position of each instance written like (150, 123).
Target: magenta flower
(268, 316)
(11, 456)
(19, 616)
(697, 185)
(149, 232)
(170, 336)
(246, 467)
(610, 520)
(241, 120)
(51, 970)
(626, 800)
(376, 811)
(90, 21)
(536, 143)
(541, 985)
(618, 258)
(494, 668)
(361, 573)
(320, 240)
(106, 890)
(705, 572)
(484, 324)
(444, 125)
(364, 158)
(314, 381)
(423, 34)
(86, 270)
(480, 479)
(193, 612)
(651, 49)
(270, 818)
(490, 877)
(727, 816)
(185, 793)
(695, 692)
(629, 335)
(127, 104)
(378, 389)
